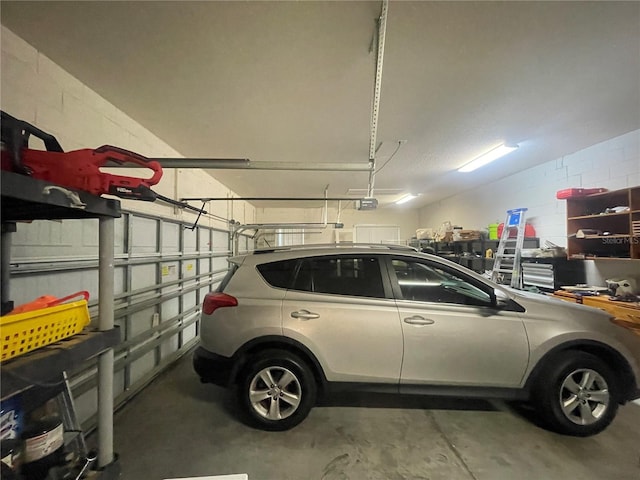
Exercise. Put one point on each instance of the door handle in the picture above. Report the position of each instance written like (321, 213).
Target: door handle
(418, 320)
(305, 315)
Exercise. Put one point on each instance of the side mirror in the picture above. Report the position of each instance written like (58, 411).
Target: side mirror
(501, 298)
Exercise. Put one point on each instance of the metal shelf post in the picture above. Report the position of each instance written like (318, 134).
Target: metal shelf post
(106, 358)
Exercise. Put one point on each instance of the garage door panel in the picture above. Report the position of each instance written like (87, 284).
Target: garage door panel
(189, 333)
(170, 309)
(189, 300)
(143, 276)
(142, 367)
(170, 238)
(190, 240)
(189, 268)
(169, 346)
(144, 235)
(220, 241)
(204, 239)
(141, 321)
(220, 263)
(27, 288)
(204, 265)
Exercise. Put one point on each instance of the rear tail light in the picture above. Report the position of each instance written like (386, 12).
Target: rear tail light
(215, 300)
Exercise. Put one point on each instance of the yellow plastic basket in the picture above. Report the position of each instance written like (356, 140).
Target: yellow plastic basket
(24, 332)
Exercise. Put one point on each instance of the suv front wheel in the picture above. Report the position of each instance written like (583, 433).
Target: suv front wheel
(577, 394)
(276, 390)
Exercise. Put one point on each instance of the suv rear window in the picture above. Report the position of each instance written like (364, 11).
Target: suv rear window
(278, 274)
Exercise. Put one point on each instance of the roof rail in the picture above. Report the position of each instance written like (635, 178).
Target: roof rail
(373, 246)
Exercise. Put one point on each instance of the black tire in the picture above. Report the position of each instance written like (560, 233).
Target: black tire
(284, 405)
(587, 389)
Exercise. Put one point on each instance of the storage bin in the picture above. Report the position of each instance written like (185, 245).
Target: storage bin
(23, 332)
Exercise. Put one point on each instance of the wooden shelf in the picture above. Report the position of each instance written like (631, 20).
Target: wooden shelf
(594, 237)
(603, 215)
(584, 213)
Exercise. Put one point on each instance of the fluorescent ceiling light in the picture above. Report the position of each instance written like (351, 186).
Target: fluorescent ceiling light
(405, 199)
(488, 157)
(362, 192)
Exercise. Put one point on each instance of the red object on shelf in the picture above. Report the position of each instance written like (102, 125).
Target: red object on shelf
(577, 192)
(529, 231)
(46, 301)
(81, 170)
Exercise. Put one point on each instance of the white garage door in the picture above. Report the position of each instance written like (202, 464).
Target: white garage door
(377, 234)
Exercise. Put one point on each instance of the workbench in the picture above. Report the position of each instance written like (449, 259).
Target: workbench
(627, 313)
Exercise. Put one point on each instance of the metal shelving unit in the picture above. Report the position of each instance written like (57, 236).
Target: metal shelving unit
(24, 199)
(469, 253)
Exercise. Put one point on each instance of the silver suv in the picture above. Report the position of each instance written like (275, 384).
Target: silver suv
(286, 326)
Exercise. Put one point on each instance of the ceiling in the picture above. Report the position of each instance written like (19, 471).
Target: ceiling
(293, 82)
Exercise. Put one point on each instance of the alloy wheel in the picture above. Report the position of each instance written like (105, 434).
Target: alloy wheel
(584, 396)
(275, 393)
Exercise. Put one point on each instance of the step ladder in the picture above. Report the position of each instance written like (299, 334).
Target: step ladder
(78, 459)
(506, 266)
(72, 429)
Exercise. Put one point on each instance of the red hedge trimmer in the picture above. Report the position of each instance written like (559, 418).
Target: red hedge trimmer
(78, 169)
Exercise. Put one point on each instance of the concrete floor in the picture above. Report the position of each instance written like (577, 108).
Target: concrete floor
(178, 427)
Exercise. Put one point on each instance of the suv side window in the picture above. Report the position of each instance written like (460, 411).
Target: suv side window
(429, 282)
(341, 275)
(278, 274)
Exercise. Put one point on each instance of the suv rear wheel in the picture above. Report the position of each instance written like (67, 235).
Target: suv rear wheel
(577, 394)
(276, 390)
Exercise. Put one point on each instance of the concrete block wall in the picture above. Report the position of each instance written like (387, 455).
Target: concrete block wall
(35, 89)
(612, 164)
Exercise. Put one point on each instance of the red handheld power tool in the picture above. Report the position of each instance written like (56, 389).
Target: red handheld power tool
(78, 169)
